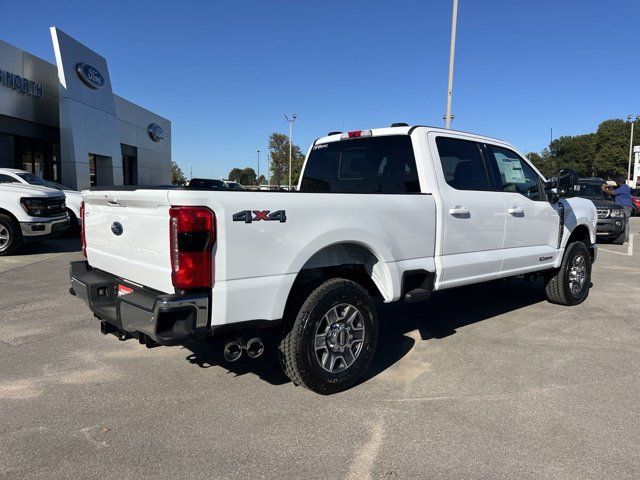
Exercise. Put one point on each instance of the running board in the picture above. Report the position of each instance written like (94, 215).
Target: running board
(416, 295)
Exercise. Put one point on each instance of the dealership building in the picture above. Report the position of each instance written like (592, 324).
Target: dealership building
(64, 123)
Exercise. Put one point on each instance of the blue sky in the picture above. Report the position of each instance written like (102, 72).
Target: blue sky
(225, 72)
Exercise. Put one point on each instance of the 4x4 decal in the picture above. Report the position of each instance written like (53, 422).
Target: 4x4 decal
(248, 216)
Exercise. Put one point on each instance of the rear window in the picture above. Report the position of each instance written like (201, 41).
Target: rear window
(362, 165)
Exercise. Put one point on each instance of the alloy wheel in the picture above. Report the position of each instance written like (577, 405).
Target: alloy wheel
(339, 338)
(577, 274)
(5, 237)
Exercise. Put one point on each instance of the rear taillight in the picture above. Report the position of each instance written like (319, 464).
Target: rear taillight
(192, 232)
(83, 239)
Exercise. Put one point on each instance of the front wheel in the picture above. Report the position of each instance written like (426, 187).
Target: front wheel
(331, 342)
(569, 285)
(10, 235)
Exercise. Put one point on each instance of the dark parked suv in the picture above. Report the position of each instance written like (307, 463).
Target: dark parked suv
(611, 219)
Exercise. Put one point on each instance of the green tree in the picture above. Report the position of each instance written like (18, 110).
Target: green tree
(279, 165)
(235, 175)
(248, 176)
(600, 154)
(244, 176)
(577, 152)
(545, 162)
(177, 177)
(612, 148)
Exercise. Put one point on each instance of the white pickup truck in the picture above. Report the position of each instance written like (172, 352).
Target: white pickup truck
(390, 214)
(73, 199)
(29, 214)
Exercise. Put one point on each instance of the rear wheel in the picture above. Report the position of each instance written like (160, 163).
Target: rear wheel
(10, 235)
(569, 285)
(330, 343)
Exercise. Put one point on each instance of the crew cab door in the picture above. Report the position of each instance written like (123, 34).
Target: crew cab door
(532, 223)
(472, 213)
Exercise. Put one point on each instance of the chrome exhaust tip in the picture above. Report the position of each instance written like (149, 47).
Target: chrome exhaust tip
(232, 351)
(255, 347)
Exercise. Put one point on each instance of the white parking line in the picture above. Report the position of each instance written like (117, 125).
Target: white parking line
(629, 248)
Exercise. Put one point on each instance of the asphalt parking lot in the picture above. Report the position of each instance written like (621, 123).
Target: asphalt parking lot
(488, 381)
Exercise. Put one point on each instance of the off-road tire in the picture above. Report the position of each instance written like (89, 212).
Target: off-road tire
(12, 227)
(557, 282)
(297, 356)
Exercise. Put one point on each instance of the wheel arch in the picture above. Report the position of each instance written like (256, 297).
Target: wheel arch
(356, 256)
(351, 260)
(581, 233)
(9, 214)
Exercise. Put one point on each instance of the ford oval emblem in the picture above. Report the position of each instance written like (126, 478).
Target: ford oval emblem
(116, 228)
(156, 132)
(90, 75)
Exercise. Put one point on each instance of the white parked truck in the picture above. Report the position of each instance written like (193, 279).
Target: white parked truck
(73, 199)
(387, 214)
(29, 214)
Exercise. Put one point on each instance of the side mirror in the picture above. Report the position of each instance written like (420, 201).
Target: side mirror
(566, 184)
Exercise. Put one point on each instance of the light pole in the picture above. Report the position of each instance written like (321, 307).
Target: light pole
(258, 177)
(190, 172)
(293, 119)
(452, 50)
(268, 170)
(629, 117)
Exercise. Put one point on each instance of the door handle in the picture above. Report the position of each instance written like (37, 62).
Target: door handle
(459, 210)
(516, 211)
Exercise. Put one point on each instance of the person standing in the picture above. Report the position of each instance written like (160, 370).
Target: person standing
(622, 194)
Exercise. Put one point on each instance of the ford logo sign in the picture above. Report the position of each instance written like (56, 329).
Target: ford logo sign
(90, 75)
(156, 132)
(116, 228)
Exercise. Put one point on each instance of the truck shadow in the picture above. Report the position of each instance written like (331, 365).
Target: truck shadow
(52, 245)
(437, 318)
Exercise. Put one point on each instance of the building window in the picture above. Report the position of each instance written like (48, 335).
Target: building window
(38, 157)
(92, 170)
(129, 164)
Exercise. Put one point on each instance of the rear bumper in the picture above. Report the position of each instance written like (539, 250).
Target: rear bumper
(165, 318)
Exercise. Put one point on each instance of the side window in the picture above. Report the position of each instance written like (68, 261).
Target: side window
(7, 179)
(516, 175)
(384, 164)
(462, 164)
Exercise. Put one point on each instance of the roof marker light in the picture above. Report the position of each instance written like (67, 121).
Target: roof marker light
(356, 134)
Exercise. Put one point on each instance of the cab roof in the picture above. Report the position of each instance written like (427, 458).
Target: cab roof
(406, 130)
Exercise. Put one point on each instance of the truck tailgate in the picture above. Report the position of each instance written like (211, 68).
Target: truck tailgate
(127, 235)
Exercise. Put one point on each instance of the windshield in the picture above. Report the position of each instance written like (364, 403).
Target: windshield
(33, 180)
(590, 190)
(57, 185)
